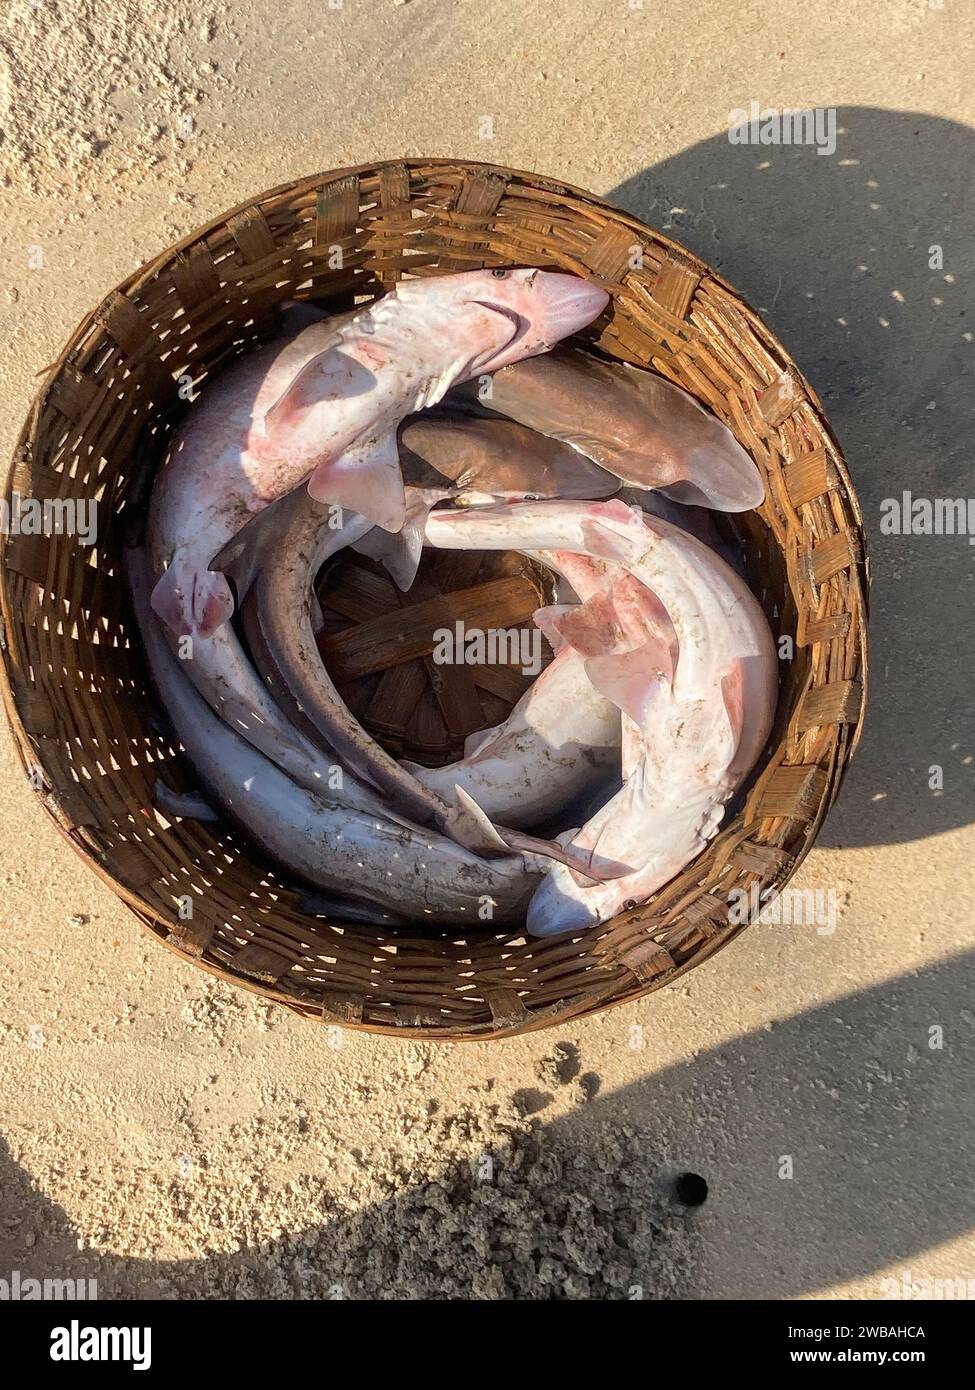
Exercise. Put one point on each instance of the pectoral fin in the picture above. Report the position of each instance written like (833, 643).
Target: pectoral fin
(612, 531)
(320, 377)
(634, 681)
(367, 480)
(549, 623)
(590, 628)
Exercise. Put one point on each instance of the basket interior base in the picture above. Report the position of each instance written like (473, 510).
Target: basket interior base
(415, 680)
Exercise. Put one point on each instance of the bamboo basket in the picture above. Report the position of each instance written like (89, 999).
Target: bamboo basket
(74, 682)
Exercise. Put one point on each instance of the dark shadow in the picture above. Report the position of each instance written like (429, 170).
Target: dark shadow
(834, 252)
(870, 1114)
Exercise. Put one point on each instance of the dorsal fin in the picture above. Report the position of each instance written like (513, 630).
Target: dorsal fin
(244, 555)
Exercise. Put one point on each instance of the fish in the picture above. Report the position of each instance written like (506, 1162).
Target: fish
(646, 430)
(561, 737)
(277, 619)
(698, 694)
(404, 869)
(495, 459)
(487, 461)
(224, 673)
(225, 676)
(324, 404)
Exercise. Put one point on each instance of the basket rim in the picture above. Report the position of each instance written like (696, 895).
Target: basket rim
(543, 1017)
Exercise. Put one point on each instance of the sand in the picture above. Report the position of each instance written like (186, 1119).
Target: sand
(169, 1135)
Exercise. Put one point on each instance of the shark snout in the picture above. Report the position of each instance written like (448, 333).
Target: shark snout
(722, 477)
(566, 303)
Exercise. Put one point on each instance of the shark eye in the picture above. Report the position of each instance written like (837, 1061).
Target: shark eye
(499, 273)
(629, 905)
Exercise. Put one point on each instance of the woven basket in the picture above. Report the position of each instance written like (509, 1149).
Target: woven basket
(75, 685)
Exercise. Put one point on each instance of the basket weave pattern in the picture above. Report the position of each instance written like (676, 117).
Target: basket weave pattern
(75, 687)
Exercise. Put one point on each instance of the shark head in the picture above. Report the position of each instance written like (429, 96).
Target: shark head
(542, 306)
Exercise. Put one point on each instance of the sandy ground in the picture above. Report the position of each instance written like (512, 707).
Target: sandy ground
(165, 1134)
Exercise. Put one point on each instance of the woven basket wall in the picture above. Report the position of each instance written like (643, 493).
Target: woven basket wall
(74, 682)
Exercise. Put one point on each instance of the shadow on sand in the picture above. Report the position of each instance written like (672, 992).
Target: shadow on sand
(873, 1183)
(834, 251)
